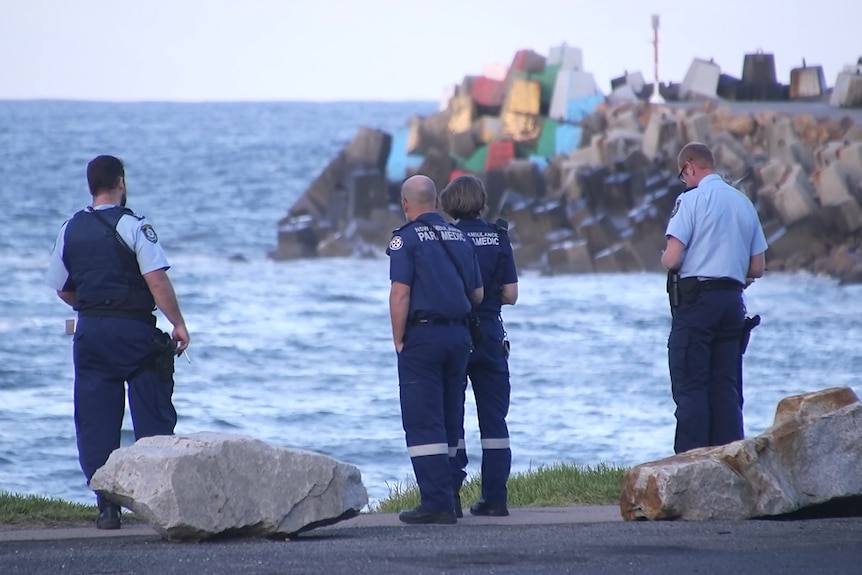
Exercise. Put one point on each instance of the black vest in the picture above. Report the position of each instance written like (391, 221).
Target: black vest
(103, 271)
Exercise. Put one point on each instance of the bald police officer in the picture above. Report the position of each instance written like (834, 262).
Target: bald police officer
(488, 370)
(716, 243)
(435, 282)
(108, 265)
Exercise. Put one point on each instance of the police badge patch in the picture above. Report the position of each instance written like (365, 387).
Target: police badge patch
(396, 243)
(675, 207)
(149, 233)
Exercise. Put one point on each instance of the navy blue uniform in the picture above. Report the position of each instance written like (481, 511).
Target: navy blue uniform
(437, 345)
(720, 229)
(488, 368)
(115, 339)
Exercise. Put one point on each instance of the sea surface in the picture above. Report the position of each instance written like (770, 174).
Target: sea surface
(299, 353)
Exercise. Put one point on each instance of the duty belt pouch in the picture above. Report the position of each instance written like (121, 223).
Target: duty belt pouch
(506, 348)
(689, 290)
(673, 288)
(475, 330)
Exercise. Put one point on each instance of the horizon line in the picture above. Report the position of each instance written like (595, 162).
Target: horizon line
(221, 101)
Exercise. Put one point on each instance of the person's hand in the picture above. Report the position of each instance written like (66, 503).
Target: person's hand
(181, 336)
(399, 345)
(748, 282)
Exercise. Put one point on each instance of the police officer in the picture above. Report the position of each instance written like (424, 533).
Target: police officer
(435, 282)
(108, 265)
(488, 369)
(716, 243)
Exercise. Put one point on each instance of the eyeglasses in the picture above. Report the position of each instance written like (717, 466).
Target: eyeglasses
(680, 176)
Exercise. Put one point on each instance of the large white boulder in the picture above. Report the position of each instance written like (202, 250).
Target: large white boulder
(206, 484)
(811, 455)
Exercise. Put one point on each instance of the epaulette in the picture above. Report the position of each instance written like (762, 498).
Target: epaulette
(407, 224)
(129, 212)
(501, 225)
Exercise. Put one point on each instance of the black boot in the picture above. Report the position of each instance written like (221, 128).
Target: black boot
(419, 516)
(482, 507)
(109, 514)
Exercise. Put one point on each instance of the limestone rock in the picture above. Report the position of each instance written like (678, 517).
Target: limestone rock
(809, 456)
(215, 484)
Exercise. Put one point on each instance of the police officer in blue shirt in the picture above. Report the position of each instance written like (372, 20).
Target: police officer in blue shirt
(488, 369)
(108, 265)
(435, 282)
(716, 244)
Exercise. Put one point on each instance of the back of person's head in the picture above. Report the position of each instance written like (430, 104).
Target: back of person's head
(698, 154)
(464, 198)
(104, 173)
(419, 191)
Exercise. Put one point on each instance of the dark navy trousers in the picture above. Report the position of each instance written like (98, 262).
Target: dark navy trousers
(108, 351)
(488, 371)
(703, 355)
(431, 369)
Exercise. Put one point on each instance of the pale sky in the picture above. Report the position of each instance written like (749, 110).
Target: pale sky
(250, 50)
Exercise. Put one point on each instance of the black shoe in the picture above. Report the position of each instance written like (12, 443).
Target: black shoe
(109, 514)
(419, 516)
(484, 508)
(459, 512)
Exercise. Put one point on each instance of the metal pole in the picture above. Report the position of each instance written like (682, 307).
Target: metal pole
(655, 24)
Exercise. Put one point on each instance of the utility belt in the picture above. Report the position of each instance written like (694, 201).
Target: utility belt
(687, 290)
(146, 317)
(720, 284)
(437, 321)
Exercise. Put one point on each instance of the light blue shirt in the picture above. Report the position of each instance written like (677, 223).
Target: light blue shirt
(720, 229)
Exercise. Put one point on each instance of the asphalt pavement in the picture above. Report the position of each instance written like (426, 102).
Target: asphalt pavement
(577, 539)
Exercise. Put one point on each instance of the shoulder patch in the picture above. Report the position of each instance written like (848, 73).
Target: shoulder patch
(149, 233)
(676, 207)
(396, 243)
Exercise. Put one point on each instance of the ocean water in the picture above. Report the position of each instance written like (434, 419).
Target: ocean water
(299, 353)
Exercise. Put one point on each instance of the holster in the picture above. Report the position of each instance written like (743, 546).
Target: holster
(475, 330)
(161, 357)
(749, 324)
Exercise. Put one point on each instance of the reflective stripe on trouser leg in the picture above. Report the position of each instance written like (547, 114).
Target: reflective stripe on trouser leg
(489, 375)
(430, 414)
(426, 444)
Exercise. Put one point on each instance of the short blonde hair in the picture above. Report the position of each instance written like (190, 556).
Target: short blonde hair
(464, 197)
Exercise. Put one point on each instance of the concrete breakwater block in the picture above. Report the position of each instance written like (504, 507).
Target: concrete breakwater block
(540, 130)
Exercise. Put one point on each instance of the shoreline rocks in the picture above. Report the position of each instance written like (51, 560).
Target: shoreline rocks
(207, 484)
(586, 181)
(809, 457)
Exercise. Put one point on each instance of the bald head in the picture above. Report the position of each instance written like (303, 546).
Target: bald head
(419, 191)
